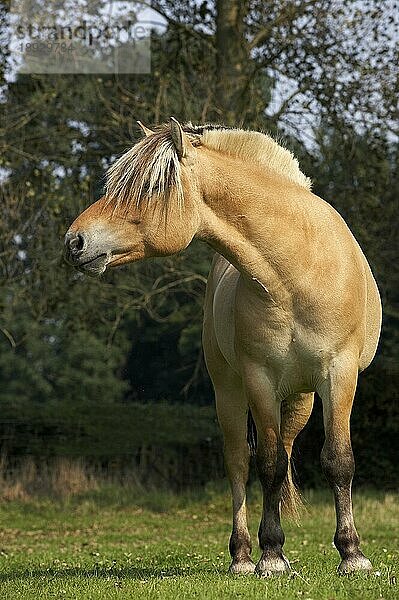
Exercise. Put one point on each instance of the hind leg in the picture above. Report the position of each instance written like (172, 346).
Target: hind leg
(338, 463)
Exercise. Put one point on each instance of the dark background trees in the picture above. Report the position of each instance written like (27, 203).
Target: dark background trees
(322, 74)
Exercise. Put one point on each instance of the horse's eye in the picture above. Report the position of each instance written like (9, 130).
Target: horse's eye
(135, 221)
(145, 189)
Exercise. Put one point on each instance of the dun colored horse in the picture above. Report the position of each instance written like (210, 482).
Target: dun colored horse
(291, 306)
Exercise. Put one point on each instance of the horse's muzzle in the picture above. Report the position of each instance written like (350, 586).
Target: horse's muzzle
(78, 253)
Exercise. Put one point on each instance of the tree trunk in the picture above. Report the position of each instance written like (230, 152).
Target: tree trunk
(231, 61)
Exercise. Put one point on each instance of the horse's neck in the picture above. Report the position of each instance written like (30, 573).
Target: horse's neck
(252, 220)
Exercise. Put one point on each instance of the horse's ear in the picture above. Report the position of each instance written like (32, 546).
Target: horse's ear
(180, 139)
(144, 129)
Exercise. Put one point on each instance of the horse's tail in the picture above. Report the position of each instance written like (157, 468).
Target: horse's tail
(252, 434)
(291, 501)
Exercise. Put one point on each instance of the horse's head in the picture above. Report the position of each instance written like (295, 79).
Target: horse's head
(151, 205)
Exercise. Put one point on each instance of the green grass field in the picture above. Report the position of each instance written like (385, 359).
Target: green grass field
(112, 544)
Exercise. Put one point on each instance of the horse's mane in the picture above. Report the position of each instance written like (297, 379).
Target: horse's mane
(152, 165)
(258, 148)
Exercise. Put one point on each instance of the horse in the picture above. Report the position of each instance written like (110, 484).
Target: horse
(291, 306)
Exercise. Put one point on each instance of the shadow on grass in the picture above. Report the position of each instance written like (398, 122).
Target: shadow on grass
(132, 573)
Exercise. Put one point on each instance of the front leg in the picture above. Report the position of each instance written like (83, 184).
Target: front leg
(232, 411)
(272, 466)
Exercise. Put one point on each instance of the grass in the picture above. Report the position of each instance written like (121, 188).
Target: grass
(113, 543)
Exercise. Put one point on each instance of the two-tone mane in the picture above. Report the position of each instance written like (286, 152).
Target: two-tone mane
(152, 165)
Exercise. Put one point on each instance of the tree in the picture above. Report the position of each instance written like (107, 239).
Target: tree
(323, 71)
(326, 57)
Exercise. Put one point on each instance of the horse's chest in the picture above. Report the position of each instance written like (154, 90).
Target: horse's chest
(292, 361)
(267, 335)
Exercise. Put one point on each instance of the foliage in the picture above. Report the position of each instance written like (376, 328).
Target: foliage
(322, 71)
(84, 429)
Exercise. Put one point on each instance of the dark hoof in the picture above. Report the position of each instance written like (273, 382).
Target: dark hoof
(353, 564)
(242, 567)
(277, 565)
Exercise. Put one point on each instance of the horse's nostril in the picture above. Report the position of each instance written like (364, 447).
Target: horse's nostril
(79, 242)
(75, 243)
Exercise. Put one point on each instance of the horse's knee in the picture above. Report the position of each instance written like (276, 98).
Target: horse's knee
(272, 464)
(338, 464)
(236, 457)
